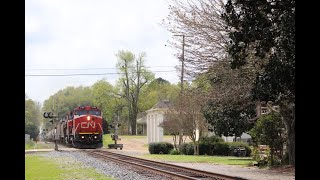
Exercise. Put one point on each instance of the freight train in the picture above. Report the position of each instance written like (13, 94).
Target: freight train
(81, 128)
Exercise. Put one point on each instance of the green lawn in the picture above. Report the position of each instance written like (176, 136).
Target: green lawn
(227, 160)
(58, 168)
(42, 145)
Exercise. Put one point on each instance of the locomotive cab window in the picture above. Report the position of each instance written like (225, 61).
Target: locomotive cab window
(81, 112)
(95, 112)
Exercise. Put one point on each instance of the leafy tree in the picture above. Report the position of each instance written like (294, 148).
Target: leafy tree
(32, 117)
(32, 130)
(66, 100)
(32, 112)
(229, 108)
(266, 29)
(157, 90)
(104, 98)
(269, 131)
(228, 121)
(134, 77)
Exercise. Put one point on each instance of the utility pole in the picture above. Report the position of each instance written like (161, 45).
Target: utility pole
(182, 62)
(182, 59)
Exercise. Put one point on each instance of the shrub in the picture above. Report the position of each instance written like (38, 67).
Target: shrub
(187, 148)
(261, 156)
(221, 148)
(206, 146)
(206, 149)
(211, 139)
(160, 148)
(174, 152)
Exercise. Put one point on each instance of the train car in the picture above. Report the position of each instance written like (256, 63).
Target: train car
(81, 128)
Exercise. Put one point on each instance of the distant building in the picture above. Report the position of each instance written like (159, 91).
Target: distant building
(142, 123)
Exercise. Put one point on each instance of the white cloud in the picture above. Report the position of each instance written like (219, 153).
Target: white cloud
(87, 34)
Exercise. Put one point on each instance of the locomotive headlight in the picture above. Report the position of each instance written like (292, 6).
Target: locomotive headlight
(82, 137)
(95, 137)
(88, 118)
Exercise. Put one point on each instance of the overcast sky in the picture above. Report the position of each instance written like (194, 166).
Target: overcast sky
(66, 37)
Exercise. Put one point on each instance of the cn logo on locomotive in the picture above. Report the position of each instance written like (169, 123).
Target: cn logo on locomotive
(87, 124)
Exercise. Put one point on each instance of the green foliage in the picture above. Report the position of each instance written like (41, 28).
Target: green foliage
(222, 149)
(260, 157)
(157, 90)
(32, 112)
(32, 130)
(160, 148)
(174, 152)
(187, 148)
(269, 130)
(211, 139)
(32, 118)
(264, 32)
(67, 99)
(206, 146)
(104, 98)
(229, 121)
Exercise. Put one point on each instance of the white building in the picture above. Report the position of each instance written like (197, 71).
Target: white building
(155, 117)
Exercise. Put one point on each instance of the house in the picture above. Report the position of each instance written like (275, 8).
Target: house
(149, 123)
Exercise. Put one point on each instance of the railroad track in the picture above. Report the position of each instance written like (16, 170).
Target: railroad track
(168, 170)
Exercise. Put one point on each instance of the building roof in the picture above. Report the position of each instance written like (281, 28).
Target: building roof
(162, 104)
(142, 120)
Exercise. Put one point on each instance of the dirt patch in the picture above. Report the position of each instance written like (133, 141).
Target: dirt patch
(138, 144)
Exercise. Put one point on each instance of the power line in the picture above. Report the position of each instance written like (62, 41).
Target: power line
(94, 74)
(88, 68)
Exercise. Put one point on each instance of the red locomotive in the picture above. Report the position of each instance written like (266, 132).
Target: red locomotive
(81, 128)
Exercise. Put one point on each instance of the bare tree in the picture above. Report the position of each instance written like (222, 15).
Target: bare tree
(134, 77)
(185, 118)
(200, 21)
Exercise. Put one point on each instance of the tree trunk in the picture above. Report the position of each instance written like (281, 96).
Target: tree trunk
(195, 148)
(288, 113)
(133, 119)
(175, 141)
(291, 144)
(180, 141)
(272, 155)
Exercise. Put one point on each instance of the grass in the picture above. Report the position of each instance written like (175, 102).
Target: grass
(227, 160)
(107, 140)
(33, 145)
(58, 168)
